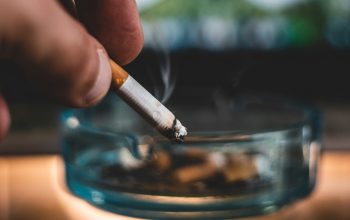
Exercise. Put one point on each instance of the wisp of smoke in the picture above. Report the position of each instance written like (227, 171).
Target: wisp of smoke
(168, 78)
(164, 90)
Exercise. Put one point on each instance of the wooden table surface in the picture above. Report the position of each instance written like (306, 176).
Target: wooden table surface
(32, 188)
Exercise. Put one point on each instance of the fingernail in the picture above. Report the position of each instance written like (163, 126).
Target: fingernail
(103, 80)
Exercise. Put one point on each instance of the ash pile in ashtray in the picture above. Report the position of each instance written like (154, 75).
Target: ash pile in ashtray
(187, 172)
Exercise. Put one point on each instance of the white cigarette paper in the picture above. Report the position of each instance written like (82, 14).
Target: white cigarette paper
(141, 99)
(145, 104)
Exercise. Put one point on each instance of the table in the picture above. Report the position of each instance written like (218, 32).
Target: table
(32, 188)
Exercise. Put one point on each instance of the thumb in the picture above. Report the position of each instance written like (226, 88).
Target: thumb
(56, 52)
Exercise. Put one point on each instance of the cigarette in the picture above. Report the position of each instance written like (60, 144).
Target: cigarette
(161, 161)
(240, 167)
(211, 165)
(194, 173)
(156, 114)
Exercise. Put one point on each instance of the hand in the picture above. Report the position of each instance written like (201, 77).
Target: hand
(58, 54)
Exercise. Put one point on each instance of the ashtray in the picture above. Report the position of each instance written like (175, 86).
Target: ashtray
(244, 155)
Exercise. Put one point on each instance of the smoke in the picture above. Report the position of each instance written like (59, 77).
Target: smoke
(168, 78)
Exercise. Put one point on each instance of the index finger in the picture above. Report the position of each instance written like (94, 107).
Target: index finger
(116, 24)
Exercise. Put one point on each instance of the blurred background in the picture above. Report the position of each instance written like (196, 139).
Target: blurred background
(299, 49)
(294, 48)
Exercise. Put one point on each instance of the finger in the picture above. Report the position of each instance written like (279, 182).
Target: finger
(116, 24)
(4, 118)
(57, 53)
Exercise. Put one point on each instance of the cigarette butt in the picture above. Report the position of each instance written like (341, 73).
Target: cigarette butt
(194, 173)
(240, 167)
(211, 165)
(195, 153)
(161, 161)
(154, 112)
(128, 161)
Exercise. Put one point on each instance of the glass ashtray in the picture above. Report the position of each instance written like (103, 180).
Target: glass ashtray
(245, 155)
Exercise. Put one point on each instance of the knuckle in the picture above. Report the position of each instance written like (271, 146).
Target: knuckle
(79, 68)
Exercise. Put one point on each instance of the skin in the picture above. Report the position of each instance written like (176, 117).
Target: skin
(63, 57)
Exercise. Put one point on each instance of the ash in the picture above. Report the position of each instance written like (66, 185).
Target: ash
(179, 130)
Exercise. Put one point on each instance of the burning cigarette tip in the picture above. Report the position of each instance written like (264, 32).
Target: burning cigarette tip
(179, 131)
